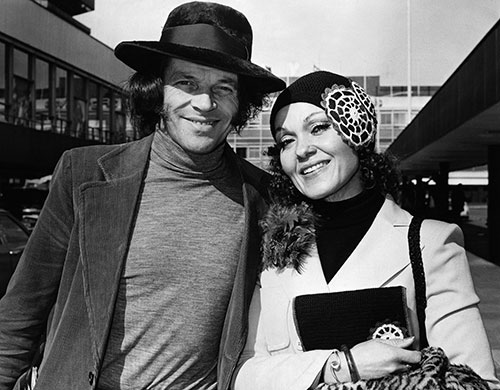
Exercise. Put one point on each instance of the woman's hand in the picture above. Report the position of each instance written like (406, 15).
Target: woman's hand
(377, 358)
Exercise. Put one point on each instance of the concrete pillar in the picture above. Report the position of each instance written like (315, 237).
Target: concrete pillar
(441, 195)
(494, 203)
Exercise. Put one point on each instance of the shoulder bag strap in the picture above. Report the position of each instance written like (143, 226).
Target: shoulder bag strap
(418, 276)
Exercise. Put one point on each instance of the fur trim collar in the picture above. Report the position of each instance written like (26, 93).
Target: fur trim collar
(289, 236)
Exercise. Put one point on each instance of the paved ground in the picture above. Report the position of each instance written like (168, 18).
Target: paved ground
(486, 276)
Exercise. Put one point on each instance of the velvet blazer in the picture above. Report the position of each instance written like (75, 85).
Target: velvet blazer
(273, 358)
(67, 279)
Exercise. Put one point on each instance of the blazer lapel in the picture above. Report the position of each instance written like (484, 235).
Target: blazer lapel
(107, 213)
(380, 256)
(234, 334)
(235, 329)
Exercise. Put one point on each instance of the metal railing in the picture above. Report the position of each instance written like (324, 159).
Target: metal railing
(47, 123)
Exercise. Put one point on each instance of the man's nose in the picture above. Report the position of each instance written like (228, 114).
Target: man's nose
(203, 101)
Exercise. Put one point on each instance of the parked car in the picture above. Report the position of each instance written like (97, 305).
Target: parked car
(29, 217)
(22, 202)
(13, 239)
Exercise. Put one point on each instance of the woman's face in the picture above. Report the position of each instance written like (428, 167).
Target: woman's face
(314, 156)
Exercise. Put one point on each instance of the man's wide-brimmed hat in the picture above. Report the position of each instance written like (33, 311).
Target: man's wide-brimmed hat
(204, 33)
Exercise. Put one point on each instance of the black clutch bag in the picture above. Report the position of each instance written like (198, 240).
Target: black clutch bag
(330, 320)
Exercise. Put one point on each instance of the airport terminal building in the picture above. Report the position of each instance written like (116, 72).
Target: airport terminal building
(59, 87)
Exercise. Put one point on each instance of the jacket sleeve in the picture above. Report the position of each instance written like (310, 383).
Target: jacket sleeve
(32, 290)
(260, 369)
(453, 321)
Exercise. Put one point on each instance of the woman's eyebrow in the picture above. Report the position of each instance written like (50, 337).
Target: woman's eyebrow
(279, 132)
(308, 118)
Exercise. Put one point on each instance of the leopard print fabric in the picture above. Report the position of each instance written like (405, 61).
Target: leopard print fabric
(434, 373)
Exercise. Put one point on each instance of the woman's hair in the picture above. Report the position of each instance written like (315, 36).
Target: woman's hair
(378, 170)
(145, 102)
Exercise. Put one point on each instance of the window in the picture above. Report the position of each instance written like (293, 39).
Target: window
(399, 91)
(106, 114)
(120, 120)
(93, 117)
(21, 90)
(265, 118)
(79, 120)
(254, 153)
(42, 121)
(385, 118)
(2, 83)
(433, 90)
(21, 63)
(61, 109)
(400, 118)
(383, 91)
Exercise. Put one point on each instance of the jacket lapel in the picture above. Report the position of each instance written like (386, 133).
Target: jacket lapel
(234, 333)
(310, 280)
(380, 256)
(235, 329)
(106, 218)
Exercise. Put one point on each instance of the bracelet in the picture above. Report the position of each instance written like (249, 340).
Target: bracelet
(350, 363)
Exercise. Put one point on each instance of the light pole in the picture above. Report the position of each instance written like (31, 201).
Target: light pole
(408, 36)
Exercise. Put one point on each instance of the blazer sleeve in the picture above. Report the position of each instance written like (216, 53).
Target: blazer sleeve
(25, 307)
(260, 369)
(453, 321)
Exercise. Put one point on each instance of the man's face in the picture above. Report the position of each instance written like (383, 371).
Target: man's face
(200, 103)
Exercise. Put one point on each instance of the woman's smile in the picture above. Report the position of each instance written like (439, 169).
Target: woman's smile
(313, 168)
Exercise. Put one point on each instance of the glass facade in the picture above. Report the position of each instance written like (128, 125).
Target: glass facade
(47, 95)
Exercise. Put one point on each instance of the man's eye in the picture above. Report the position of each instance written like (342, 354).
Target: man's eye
(186, 84)
(224, 90)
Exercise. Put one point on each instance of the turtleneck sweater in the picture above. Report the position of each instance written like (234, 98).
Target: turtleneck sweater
(341, 226)
(178, 275)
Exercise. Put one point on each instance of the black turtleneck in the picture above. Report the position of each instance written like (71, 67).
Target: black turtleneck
(341, 226)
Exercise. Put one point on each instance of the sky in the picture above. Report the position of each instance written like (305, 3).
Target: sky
(350, 37)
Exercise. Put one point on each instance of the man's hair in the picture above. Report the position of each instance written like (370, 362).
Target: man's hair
(145, 102)
(378, 170)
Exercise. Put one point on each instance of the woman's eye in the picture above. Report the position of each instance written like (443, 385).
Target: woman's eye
(319, 128)
(284, 143)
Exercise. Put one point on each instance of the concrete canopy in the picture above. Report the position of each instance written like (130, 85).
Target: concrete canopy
(461, 120)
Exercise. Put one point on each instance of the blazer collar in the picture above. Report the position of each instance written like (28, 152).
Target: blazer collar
(127, 159)
(380, 256)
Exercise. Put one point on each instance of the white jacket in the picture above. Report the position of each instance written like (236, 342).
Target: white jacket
(273, 358)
